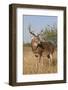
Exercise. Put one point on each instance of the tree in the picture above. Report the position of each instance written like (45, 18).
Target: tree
(50, 34)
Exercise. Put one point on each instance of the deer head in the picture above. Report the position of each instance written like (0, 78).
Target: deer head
(35, 38)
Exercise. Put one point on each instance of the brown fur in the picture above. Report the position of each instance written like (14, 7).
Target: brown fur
(38, 47)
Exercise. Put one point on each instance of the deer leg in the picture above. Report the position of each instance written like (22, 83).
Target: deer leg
(37, 63)
(37, 67)
(49, 62)
(39, 59)
(50, 58)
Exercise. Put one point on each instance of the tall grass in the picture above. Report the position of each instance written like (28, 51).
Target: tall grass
(27, 44)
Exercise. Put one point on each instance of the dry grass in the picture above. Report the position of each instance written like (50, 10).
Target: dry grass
(31, 64)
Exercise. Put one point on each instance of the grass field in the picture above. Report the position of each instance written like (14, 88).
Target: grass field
(32, 66)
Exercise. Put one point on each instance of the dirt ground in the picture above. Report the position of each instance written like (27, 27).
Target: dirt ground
(31, 64)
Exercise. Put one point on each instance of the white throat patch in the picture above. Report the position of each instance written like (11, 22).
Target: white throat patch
(35, 44)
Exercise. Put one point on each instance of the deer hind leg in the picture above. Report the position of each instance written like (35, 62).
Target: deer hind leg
(49, 62)
(51, 55)
(49, 58)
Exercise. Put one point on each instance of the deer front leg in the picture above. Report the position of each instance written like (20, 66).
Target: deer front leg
(40, 55)
(39, 59)
(37, 62)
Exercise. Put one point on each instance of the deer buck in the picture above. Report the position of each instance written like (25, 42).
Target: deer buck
(39, 47)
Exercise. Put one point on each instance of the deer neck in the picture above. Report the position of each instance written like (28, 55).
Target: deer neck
(34, 45)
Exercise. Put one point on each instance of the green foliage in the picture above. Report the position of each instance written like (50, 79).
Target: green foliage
(50, 34)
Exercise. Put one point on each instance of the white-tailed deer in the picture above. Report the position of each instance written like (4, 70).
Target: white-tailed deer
(39, 47)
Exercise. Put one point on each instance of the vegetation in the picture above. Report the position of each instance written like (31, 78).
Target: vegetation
(27, 44)
(49, 34)
(31, 65)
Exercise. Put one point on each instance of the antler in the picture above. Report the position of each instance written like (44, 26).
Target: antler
(40, 33)
(31, 31)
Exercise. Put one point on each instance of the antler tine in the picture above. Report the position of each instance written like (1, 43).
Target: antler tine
(31, 31)
(40, 33)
